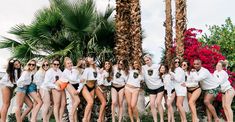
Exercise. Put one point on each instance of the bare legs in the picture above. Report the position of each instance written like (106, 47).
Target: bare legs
(102, 98)
(156, 98)
(227, 99)
(192, 103)
(90, 101)
(6, 99)
(75, 102)
(132, 98)
(208, 98)
(179, 104)
(117, 97)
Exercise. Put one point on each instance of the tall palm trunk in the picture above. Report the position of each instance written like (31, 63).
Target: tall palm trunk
(181, 26)
(135, 31)
(122, 48)
(168, 32)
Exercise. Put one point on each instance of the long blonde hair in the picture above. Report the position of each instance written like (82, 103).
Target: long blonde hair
(41, 67)
(26, 68)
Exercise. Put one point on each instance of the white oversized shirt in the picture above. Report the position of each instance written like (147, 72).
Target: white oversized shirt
(222, 78)
(189, 80)
(102, 78)
(205, 78)
(134, 78)
(168, 83)
(71, 76)
(89, 74)
(151, 76)
(39, 78)
(119, 77)
(25, 79)
(50, 78)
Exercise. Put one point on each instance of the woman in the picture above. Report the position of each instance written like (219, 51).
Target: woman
(227, 90)
(132, 88)
(25, 86)
(155, 87)
(71, 75)
(193, 90)
(169, 92)
(8, 85)
(52, 77)
(117, 91)
(89, 78)
(43, 90)
(178, 76)
(104, 83)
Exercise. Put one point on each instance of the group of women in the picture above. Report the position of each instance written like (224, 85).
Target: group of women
(45, 88)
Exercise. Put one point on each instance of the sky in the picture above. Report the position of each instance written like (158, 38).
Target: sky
(200, 14)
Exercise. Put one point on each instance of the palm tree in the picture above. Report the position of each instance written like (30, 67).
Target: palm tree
(64, 29)
(135, 31)
(180, 26)
(122, 24)
(168, 33)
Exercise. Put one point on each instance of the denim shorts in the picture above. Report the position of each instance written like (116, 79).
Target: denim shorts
(27, 89)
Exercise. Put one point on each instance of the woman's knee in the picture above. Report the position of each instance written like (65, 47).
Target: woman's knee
(207, 102)
(191, 103)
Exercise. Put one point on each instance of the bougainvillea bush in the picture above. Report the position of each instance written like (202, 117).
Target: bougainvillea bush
(209, 55)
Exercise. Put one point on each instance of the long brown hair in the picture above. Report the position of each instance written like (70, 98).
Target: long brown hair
(125, 66)
(173, 64)
(166, 71)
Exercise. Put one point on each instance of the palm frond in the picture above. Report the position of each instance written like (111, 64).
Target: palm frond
(8, 43)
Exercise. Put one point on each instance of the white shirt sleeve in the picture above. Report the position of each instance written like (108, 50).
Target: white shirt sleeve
(21, 82)
(199, 77)
(48, 80)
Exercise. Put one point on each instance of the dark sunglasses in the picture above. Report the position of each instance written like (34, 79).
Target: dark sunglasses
(184, 64)
(31, 64)
(177, 62)
(56, 64)
(45, 65)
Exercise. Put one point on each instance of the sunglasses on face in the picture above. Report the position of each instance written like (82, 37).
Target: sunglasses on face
(177, 62)
(184, 65)
(31, 64)
(45, 65)
(55, 64)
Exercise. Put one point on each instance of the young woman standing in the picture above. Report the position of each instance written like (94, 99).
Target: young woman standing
(178, 76)
(193, 89)
(8, 83)
(121, 71)
(169, 92)
(132, 88)
(25, 86)
(52, 77)
(89, 78)
(71, 76)
(226, 88)
(44, 91)
(155, 86)
(104, 83)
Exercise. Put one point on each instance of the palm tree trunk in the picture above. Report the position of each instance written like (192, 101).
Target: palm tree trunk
(168, 32)
(135, 31)
(122, 48)
(181, 26)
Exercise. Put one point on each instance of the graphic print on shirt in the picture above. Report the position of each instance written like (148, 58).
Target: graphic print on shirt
(150, 72)
(95, 74)
(118, 75)
(135, 75)
(56, 78)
